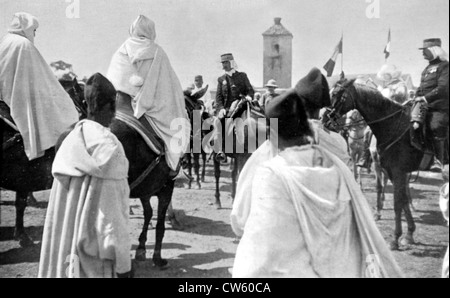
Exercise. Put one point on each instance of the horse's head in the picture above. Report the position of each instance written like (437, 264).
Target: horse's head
(341, 100)
(76, 92)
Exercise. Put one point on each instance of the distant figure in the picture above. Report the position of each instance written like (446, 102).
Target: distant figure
(38, 104)
(270, 93)
(206, 99)
(141, 69)
(292, 224)
(86, 232)
(434, 91)
(393, 87)
(257, 98)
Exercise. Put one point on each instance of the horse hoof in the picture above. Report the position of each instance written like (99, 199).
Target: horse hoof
(377, 217)
(199, 186)
(24, 239)
(408, 240)
(140, 255)
(176, 225)
(162, 264)
(218, 206)
(394, 246)
(187, 186)
(32, 202)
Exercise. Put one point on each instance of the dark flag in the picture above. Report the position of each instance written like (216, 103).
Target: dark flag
(329, 66)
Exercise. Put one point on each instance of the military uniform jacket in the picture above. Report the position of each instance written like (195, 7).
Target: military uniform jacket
(224, 96)
(434, 86)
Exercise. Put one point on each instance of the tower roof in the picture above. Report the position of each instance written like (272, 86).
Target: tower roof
(277, 29)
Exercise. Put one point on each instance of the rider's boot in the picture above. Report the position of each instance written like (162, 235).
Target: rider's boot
(439, 151)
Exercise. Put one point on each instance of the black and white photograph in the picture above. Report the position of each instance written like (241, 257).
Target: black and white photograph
(223, 144)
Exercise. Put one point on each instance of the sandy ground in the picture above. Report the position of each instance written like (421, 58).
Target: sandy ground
(206, 246)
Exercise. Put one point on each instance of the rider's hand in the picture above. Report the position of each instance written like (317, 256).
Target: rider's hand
(222, 114)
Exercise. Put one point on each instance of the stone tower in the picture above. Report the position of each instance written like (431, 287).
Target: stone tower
(278, 55)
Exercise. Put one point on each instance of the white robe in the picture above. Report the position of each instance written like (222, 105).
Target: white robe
(331, 141)
(299, 226)
(86, 232)
(142, 69)
(40, 107)
(445, 210)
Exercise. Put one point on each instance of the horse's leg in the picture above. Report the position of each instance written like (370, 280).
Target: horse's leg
(217, 176)
(204, 157)
(400, 203)
(197, 169)
(188, 159)
(148, 214)
(164, 199)
(409, 238)
(408, 193)
(234, 177)
(380, 190)
(19, 233)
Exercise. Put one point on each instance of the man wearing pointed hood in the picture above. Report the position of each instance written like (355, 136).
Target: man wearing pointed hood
(141, 69)
(292, 224)
(37, 102)
(86, 232)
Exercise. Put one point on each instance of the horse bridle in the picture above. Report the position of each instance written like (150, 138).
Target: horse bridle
(335, 114)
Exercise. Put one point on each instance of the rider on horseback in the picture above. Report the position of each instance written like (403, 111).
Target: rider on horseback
(29, 91)
(231, 86)
(141, 69)
(434, 90)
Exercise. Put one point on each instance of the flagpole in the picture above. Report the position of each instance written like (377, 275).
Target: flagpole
(386, 57)
(342, 58)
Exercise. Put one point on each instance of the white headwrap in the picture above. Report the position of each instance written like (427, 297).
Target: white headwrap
(389, 69)
(24, 24)
(438, 52)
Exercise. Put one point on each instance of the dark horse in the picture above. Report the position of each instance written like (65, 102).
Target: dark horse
(22, 176)
(390, 123)
(149, 174)
(197, 115)
(248, 134)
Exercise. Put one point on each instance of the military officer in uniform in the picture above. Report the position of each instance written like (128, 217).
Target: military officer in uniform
(225, 97)
(232, 86)
(434, 92)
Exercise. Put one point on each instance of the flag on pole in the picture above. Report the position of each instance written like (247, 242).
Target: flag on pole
(387, 49)
(329, 66)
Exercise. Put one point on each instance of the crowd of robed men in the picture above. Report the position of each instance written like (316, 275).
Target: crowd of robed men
(290, 223)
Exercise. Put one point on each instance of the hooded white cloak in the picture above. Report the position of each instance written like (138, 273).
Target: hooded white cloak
(40, 107)
(86, 232)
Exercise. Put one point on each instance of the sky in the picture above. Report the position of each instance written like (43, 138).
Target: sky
(194, 33)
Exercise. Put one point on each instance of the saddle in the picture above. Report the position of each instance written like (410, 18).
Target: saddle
(125, 113)
(422, 138)
(5, 115)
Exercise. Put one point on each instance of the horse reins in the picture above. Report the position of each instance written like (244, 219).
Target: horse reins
(343, 98)
(345, 95)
